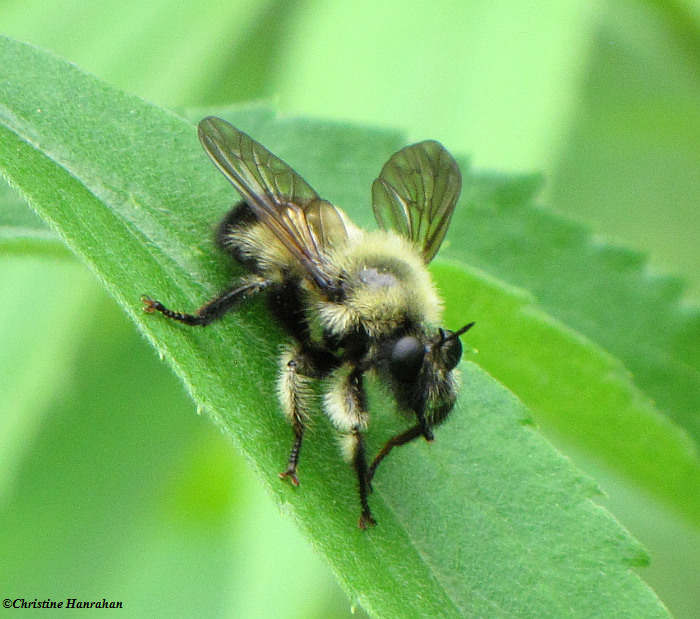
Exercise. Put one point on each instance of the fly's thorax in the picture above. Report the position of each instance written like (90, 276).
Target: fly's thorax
(385, 284)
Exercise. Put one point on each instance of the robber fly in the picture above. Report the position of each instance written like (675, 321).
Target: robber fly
(351, 301)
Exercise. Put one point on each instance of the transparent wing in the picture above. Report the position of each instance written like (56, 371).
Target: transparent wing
(280, 198)
(327, 223)
(416, 193)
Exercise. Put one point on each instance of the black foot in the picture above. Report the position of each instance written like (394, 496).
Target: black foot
(151, 306)
(366, 521)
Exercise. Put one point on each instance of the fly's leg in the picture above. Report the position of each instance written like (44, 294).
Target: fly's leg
(359, 461)
(214, 309)
(346, 406)
(396, 441)
(296, 396)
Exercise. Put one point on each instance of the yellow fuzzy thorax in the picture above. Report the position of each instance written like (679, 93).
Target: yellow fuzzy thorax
(387, 284)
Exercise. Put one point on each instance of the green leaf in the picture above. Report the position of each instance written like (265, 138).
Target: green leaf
(614, 421)
(78, 487)
(21, 229)
(489, 520)
(132, 493)
(604, 292)
(608, 416)
(579, 394)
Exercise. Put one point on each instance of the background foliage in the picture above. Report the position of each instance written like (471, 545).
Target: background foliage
(602, 100)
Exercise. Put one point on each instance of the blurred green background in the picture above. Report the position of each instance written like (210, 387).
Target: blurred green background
(111, 485)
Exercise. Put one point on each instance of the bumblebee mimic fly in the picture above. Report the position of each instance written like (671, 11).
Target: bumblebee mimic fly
(353, 302)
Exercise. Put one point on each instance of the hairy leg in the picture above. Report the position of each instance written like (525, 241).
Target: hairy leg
(296, 396)
(346, 406)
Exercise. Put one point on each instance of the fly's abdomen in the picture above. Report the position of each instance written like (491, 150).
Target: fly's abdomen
(229, 233)
(254, 245)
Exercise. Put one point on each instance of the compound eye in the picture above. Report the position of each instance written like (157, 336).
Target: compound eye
(407, 358)
(451, 351)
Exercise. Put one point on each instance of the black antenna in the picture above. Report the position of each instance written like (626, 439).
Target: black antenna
(456, 334)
